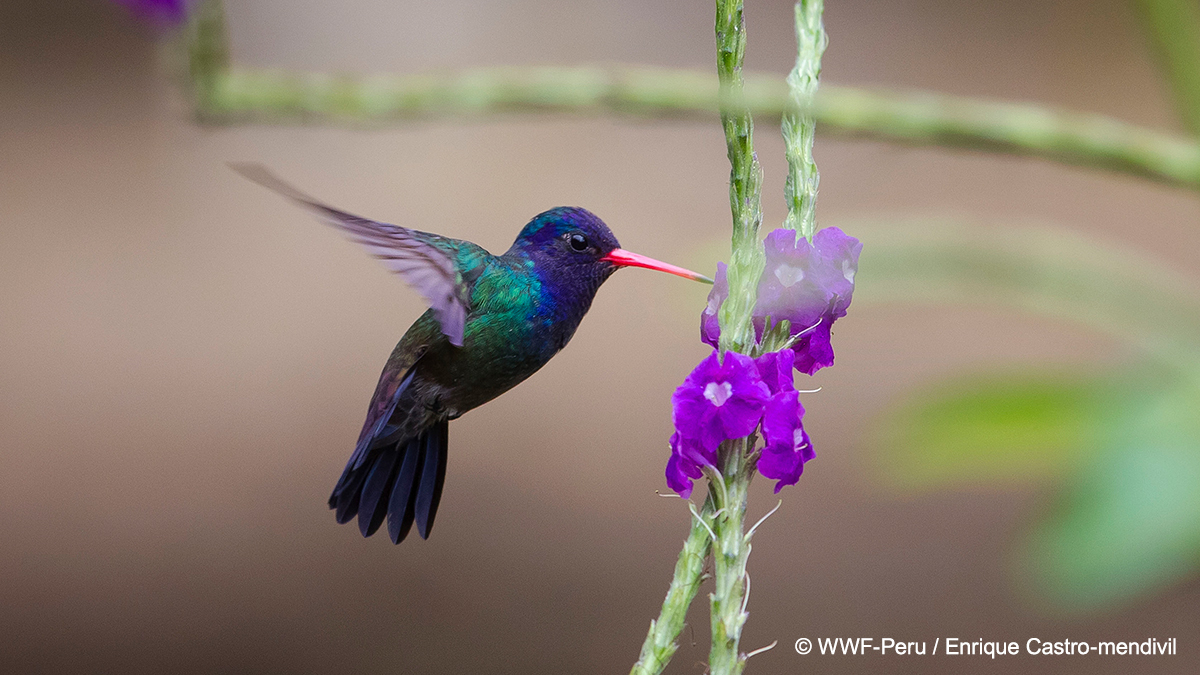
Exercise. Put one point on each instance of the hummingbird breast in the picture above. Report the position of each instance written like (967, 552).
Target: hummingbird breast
(517, 322)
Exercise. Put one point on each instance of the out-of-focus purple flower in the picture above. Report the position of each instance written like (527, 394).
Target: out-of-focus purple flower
(809, 285)
(159, 12)
(787, 445)
(710, 329)
(718, 401)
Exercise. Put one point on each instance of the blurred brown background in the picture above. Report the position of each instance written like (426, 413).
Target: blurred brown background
(185, 359)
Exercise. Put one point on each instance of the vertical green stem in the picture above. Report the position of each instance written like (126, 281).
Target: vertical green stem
(800, 129)
(208, 54)
(745, 180)
(730, 551)
(721, 523)
(662, 639)
(1174, 29)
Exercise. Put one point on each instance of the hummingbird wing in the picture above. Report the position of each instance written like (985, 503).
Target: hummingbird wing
(428, 262)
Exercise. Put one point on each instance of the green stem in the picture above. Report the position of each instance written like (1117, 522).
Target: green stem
(235, 96)
(730, 488)
(662, 639)
(799, 129)
(730, 553)
(1174, 30)
(208, 55)
(745, 180)
(913, 118)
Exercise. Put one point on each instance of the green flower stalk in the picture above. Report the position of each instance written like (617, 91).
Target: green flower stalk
(799, 127)
(662, 640)
(223, 94)
(745, 180)
(719, 408)
(729, 489)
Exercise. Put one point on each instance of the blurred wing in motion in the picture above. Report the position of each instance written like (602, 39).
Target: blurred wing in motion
(426, 261)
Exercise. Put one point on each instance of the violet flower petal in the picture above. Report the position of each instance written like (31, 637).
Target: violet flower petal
(785, 463)
(809, 285)
(782, 419)
(710, 328)
(680, 474)
(719, 401)
(775, 369)
(814, 350)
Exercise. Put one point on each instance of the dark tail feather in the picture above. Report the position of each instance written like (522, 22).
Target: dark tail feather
(433, 476)
(400, 511)
(347, 491)
(418, 487)
(402, 482)
(372, 509)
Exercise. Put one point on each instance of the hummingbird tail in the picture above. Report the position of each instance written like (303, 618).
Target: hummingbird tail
(401, 482)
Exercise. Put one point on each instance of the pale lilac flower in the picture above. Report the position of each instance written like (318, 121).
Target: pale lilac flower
(809, 285)
(710, 329)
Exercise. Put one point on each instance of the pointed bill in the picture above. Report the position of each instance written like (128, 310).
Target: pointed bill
(622, 258)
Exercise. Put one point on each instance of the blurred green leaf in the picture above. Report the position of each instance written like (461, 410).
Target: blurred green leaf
(1111, 287)
(992, 430)
(1129, 523)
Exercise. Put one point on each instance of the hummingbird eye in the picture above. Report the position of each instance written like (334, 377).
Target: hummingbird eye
(578, 242)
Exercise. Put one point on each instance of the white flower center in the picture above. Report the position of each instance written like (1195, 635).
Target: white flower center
(848, 271)
(789, 276)
(798, 439)
(718, 392)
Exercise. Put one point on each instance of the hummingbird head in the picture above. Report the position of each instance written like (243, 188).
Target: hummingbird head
(573, 243)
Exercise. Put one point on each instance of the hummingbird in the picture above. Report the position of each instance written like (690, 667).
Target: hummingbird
(493, 320)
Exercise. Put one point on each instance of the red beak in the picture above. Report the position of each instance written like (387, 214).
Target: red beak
(622, 258)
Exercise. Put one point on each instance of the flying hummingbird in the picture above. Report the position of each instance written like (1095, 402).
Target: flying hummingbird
(493, 320)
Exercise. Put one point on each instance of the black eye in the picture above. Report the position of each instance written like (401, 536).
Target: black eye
(578, 242)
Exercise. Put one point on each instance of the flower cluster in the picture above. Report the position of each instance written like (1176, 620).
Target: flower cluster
(727, 399)
(808, 285)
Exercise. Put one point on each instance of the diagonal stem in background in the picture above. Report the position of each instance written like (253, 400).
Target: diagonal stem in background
(225, 95)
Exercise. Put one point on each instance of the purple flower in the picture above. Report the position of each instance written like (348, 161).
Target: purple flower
(721, 401)
(161, 12)
(809, 285)
(787, 444)
(710, 329)
(786, 464)
(718, 401)
(684, 464)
